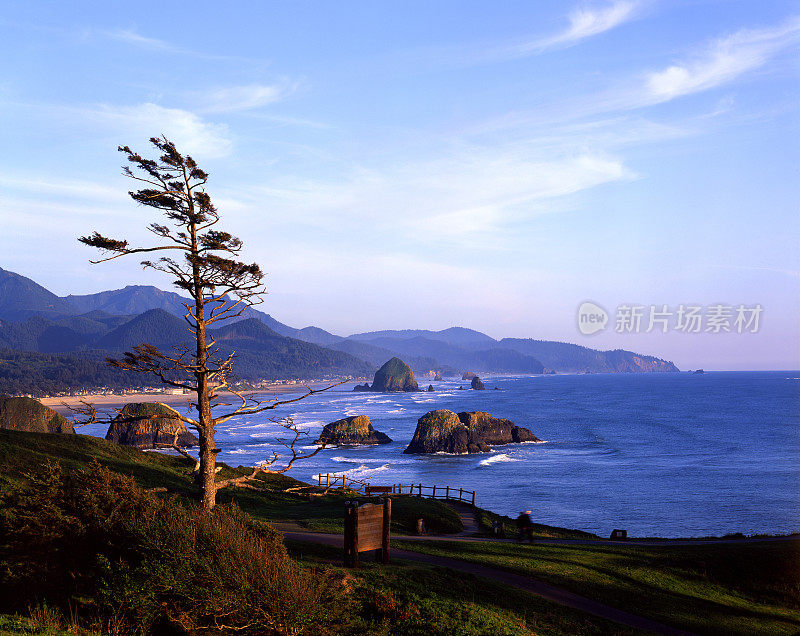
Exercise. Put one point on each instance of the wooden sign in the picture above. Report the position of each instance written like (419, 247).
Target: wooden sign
(366, 527)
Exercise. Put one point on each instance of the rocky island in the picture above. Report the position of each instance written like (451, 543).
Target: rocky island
(443, 431)
(394, 375)
(351, 431)
(477, 384)
(149, 425)
(29, 415)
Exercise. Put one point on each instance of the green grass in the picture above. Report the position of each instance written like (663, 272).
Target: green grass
(19, 452)
(18, 625)
(743, 589)
(408, 598)
(708, 588)
(486, 518)
(326, 514)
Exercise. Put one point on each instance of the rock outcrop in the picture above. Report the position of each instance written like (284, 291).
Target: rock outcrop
(494, 430)
(442, 432)
(362, 387)
(437, 377)
(351, 430)
(395, 375)
(468, 375)
(430, 388)
(29, 415)
(149, 425)
(477, 384)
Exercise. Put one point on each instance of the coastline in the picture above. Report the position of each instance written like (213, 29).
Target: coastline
(109, 401)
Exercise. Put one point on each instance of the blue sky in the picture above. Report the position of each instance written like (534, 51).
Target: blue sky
(428, 164)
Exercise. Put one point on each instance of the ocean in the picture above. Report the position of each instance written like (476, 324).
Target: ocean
(662, 454)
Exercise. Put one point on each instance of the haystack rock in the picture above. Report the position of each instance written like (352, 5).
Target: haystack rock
(437, 377)
(352, 430)
(430, 388)
(442, 432)
(149, 425)
(494, 430)
(477, 384)
(29, 415)
(395, 375)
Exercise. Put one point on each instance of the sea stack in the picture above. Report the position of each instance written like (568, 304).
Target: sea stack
(494, 430)
(351, 431)
(149, 425)
(395, 375)
(31, 416)
(442, 432)
(477, 384)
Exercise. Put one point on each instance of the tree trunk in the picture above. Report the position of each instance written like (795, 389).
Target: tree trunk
(208, 472)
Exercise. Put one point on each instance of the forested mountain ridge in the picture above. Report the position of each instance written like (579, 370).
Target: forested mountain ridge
(34, 320)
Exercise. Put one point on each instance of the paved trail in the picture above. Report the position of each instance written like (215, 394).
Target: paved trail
(545, 590)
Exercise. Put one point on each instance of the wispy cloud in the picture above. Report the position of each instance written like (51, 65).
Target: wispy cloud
(583, 23)
(461, 196)
(136, 39)
(189, 131)
(239, 98)
(716, 64)
(720, 62)
(132, 37)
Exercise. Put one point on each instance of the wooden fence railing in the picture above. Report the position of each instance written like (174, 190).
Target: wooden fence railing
(332, 480)
(436, 492)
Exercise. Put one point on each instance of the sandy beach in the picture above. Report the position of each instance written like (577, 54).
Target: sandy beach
(106, 401)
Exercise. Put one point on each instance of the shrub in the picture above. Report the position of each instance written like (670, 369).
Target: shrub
(131, 562)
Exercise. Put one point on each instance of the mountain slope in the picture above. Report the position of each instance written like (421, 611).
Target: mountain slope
(458, 336)
(495, 359)
(566, 357)
(20, 298)
(263, 354)
(137, 299)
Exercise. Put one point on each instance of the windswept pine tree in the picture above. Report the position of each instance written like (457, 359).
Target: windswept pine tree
(203, 261)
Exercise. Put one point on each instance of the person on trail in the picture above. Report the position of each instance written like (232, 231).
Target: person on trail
(525, 526)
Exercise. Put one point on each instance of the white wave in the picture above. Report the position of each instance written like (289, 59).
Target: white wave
(361, 460)
(496, 459)
(395, 411)
(534, 441)
(362, 472)
(238, 451)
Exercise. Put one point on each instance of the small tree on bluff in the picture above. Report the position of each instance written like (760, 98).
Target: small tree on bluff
(203, 263)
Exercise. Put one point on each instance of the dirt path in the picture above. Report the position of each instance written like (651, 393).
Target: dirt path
(468, 519)
(544, 590)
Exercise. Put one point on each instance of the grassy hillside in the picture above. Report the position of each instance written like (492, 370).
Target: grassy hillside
(747, 589)
(397, 599)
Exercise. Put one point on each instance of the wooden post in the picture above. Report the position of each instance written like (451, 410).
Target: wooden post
(473, 497)
(420, 490)
(387, 520)
(460, 494)
(447, 493)
(351, 534)
(434, 491)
